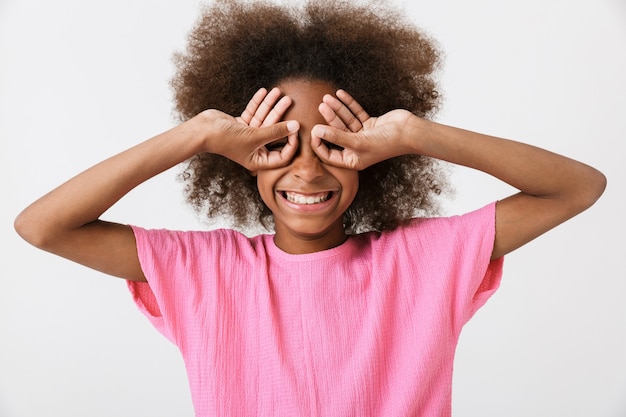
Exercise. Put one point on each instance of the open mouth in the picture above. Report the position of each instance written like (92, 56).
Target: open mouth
(307, 199)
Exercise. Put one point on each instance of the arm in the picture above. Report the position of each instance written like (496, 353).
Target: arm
(553, 188)
(66, 220)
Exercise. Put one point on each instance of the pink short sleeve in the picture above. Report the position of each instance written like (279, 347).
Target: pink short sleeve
(480, 227)
(141, 292)
(169, 269)
(451, 255)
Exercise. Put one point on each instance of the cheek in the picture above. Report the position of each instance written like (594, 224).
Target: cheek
(350, 183)
(261, 185)
(265, 184)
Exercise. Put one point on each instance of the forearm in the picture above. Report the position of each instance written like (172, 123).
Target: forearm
(533, 171)
(84, 198)
(66, 220)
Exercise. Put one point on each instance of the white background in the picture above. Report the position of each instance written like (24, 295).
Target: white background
(80, 81)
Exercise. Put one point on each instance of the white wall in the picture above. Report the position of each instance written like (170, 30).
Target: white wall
(80, 81)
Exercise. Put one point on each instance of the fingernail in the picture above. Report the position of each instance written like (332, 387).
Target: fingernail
(318, 131)
(293, 126)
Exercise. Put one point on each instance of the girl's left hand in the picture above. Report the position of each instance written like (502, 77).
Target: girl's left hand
(352, 139)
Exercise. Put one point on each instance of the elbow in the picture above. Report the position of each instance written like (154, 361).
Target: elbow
(27, 228)
(591, 189)
(599, 185)
(21, 224)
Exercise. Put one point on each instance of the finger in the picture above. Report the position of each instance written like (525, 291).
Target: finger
(259, 107)
(343, 113)
(338, 137)
(354, 106)
(253, 105)
(344, 155)
(331, 117)
(263, 158)
(265, 107)
(277, 112)
(284, 156)
(263, 135)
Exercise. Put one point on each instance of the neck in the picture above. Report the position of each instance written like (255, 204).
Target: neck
(302, 244)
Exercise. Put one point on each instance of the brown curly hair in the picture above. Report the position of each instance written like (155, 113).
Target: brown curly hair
(370, 51)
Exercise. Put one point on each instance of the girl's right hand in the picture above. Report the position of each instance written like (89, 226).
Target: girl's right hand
(244, 139)
(66, 221)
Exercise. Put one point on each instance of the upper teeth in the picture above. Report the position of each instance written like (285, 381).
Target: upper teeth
(307, 199)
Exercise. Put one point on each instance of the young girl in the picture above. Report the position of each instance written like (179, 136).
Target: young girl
(313, 121)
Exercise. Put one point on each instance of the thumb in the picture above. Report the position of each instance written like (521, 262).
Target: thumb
(335, 146)
(332, 135)
(267, 134)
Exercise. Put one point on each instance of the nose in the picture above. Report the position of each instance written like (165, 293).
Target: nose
(306, 166)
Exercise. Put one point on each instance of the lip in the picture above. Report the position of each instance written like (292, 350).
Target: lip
(315, 207)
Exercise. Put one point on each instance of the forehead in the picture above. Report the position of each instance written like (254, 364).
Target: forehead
(306, 96)
(305, 87)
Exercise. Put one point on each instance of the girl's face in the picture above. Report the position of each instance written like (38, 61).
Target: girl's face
(307, 197)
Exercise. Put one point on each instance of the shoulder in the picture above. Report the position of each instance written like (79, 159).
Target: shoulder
(430, 232)
(188, 235)
(476, 218)
(198, 242)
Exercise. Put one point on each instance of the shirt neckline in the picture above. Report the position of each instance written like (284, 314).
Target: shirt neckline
(277, 253)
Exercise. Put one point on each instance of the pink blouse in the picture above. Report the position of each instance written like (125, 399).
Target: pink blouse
(368, 328)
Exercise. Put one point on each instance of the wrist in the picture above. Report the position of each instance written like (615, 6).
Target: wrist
(419, 132)
(197, 130)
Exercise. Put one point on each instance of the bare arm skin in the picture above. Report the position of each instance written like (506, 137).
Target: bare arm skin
(66, 220)
(553, 188)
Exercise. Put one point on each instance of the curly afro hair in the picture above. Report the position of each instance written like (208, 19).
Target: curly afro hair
(370, 51)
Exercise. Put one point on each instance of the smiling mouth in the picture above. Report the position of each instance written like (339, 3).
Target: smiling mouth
(307, 199)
